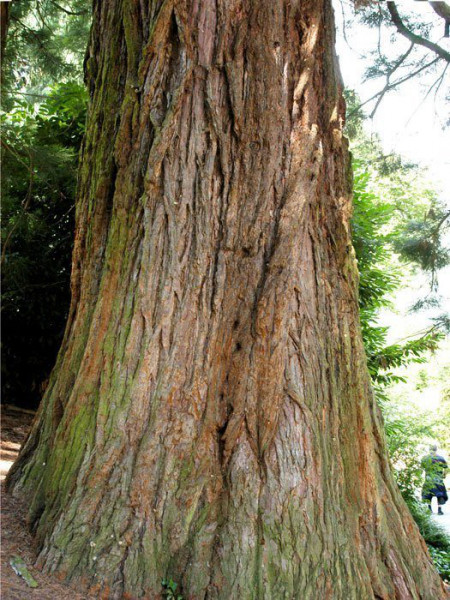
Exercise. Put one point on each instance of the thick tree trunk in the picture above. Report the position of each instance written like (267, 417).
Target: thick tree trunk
(210, 417)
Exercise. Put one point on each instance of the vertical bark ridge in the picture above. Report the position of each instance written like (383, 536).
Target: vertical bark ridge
(210, 415)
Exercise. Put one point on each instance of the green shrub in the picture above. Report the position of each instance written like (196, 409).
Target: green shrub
(436, 538)
(170, 590)
(441, 560)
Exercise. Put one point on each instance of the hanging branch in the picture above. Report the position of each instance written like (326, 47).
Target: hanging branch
(414, 37)
(69, 12)
(390, 86)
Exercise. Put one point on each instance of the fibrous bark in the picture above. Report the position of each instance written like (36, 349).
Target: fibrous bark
(210, 417)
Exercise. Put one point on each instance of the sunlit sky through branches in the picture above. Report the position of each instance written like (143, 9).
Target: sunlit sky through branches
(409, 121)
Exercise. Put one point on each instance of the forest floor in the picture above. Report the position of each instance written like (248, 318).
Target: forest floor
(15, 538)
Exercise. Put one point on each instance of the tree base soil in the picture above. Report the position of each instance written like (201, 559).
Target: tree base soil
(16, 539)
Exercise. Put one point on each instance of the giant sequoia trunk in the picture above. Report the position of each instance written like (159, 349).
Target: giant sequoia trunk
(210, 416)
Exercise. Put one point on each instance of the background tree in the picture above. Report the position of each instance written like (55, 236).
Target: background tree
(44, 104)
(210, 415)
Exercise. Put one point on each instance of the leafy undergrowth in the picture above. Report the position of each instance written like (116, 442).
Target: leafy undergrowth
(437, 540)
(170, 590)
(441, 560)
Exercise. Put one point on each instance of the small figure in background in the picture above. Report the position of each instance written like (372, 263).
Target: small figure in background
(435, 467)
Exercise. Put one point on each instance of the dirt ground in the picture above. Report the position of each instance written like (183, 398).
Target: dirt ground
(15, 538)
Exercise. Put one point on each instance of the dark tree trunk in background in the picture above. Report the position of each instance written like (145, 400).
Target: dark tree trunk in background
(4, 23)
(210, 416)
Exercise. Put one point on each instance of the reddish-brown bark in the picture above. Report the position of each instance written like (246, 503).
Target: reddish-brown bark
(210, 416)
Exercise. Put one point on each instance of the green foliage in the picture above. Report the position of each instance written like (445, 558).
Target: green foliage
(438, 541)
(61, 117)
(44, 106)
(376, 231)
(39, 157)
(393, 207)
(406, 213)
(405, 436)
(170, 590)
(371, 241)
(424, 241)
(441, 560)
(398, 225)
(407, 429)
(46, 42)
